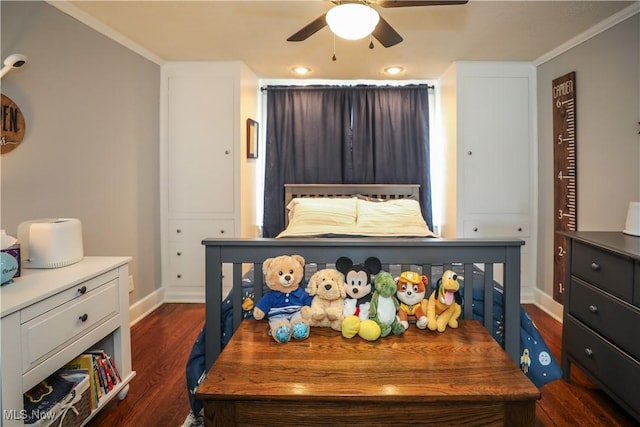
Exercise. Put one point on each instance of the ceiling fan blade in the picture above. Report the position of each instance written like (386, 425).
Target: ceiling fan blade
(404, 3)
(309, 30)
(385, 34)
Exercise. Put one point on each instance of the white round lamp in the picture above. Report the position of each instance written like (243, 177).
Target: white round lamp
(352, 21)
(632, 226)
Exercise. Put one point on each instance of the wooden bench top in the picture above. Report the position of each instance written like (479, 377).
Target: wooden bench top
(463, 367)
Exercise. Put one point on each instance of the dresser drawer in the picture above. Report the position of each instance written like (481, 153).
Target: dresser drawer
(603, 269)
(79, 291)
(195, 230)
(504, 227)
(607, 315)
(605, 362)
(55, 328)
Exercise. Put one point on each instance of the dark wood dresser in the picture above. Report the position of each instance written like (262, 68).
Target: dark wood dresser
(601, 330)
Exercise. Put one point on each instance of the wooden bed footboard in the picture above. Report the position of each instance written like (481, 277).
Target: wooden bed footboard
(238, 255)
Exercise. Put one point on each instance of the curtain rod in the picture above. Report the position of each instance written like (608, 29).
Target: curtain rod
(332, 87)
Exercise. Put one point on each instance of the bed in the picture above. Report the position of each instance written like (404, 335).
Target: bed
(490, 270)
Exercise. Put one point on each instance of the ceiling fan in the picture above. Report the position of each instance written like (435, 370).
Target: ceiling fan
(383, 31)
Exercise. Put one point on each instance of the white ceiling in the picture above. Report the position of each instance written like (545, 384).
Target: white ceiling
(255, 32)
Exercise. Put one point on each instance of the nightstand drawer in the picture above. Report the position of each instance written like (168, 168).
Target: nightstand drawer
(55, 328)
(604, 269)
(605, 362)
(607, 315)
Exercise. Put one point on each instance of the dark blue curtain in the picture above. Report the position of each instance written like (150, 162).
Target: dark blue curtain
(345, 134)
(390, 142)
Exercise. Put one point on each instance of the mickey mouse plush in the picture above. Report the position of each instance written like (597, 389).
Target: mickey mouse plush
(357, 284)
(358, 289)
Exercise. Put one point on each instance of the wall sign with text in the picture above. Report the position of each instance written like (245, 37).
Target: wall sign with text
(565, 194)
(12, 126)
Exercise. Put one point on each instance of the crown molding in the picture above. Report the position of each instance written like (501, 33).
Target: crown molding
(78, 14)
(604, 25)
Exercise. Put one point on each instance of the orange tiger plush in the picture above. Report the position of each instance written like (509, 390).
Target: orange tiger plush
(412, 288)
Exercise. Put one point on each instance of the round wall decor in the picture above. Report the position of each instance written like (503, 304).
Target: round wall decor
(12, 126)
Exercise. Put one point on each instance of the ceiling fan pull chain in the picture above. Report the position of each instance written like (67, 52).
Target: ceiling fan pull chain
(333, 58)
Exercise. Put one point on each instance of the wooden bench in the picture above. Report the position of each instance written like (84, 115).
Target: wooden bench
(460, 376)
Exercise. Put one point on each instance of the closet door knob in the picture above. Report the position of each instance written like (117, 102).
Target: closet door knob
(595, 266)
(83, 318)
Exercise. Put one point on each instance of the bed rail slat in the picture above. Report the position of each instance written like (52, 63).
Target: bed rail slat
(488, 296)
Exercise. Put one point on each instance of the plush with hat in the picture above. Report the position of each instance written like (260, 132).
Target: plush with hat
(443, 310)
(412, 289)
(359, 290)
(385, 305)
(326, 286)
(283, 304)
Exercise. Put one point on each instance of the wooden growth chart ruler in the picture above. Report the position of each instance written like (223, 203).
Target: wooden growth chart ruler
(565, 174)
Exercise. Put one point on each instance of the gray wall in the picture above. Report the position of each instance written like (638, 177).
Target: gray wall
(607, 70)
(91, 148)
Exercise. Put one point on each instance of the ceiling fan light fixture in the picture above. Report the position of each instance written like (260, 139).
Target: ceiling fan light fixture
(352, 21)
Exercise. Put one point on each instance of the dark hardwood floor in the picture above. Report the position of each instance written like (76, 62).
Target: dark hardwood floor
(161, 343)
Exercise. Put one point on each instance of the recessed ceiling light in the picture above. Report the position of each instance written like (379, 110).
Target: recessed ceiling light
(301, 70)
(393, 70)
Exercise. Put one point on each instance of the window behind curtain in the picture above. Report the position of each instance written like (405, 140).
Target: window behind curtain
(344, 134)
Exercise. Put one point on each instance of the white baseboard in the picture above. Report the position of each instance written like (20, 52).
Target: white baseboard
(145, 306)
(184, 296)
(547, 304)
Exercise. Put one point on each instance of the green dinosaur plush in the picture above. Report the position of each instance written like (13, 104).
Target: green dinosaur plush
(384, 305)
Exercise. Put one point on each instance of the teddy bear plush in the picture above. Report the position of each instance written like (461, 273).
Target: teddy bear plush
(442, 309)
(411, 292)
(385, 305)
(359, 290)
(283, 304)
(326, 286)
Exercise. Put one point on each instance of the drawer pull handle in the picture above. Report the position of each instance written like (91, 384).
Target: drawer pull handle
(595, 266)
(82, 290)
(588, 352)
(178, 231)
(179, 253)
(221, 231)
(475, 228)
(593, 309)
(179, 276)
(83, 318)
(519, 228)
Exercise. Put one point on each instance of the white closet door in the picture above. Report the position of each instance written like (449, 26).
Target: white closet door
(495, 157)
(200, 145)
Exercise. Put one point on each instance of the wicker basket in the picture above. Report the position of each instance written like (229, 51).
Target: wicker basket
(75, 407)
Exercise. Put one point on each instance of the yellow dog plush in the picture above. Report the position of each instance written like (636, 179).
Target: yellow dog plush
(442, 308)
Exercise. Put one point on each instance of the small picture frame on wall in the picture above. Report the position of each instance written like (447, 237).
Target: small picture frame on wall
(252, 139)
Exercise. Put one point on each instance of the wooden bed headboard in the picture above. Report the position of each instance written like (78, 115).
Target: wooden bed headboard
(376, 191)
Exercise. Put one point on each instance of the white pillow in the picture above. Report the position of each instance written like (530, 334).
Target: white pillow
(396, 213)
(322, 211)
